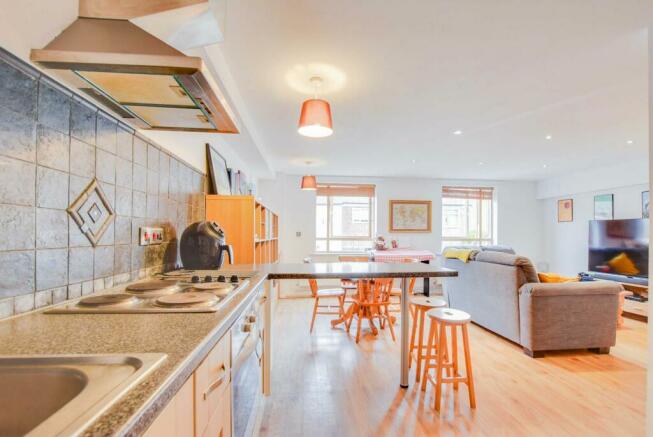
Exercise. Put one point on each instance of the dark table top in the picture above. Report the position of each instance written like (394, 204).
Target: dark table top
(355, 270)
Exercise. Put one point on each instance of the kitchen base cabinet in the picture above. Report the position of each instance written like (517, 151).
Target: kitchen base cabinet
(220, 422)
(176, 419)
(202, 407)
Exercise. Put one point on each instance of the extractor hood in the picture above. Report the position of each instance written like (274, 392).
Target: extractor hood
(139, 77)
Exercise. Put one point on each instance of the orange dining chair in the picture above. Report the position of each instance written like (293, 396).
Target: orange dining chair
(318, 294)
(395, 305)
(347, 284)
(371, 302)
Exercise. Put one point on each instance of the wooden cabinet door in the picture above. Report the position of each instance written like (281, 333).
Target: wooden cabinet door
(211, 380)
(220, 421)
(176, 419)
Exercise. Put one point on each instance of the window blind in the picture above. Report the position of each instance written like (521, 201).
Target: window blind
(345, 190)
(480, 193)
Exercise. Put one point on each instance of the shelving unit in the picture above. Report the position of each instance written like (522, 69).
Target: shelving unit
(250, 227)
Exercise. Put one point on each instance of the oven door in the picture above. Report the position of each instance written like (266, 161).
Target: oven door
(247, 384)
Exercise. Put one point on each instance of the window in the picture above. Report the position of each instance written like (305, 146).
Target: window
(344, 218)
(467, 216)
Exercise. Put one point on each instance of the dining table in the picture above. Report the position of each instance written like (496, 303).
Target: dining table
(397, 255)
(366, 270)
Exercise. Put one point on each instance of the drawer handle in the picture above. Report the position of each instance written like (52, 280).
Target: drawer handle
(217, 383)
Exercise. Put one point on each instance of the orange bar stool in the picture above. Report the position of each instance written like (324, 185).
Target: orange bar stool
(441, 318)
(420, 305)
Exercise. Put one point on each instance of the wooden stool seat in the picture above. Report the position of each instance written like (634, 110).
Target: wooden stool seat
(450, 316)
(420, 304)
(427, 301)
(438, 357)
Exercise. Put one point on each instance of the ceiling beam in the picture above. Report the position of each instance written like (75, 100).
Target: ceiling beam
(128, 9)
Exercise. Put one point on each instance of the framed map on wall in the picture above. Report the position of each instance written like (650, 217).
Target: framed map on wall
(410, 216)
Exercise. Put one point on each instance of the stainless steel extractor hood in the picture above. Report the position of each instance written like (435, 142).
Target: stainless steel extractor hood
(141, 78)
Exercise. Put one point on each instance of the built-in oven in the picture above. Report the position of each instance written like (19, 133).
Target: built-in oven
(247, 367)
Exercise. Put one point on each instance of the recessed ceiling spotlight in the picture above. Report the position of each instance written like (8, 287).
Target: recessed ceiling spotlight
(548, 137)
(543, 165)
(458, 132)
(629, 142)
(414, 161)
(481, 163)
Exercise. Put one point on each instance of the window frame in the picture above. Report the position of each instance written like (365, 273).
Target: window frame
(483, 193)
(371, 190)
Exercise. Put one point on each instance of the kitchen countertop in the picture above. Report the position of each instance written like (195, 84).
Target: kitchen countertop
(186, 338)
(356, 270)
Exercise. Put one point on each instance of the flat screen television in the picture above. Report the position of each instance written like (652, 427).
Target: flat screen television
(618, 249)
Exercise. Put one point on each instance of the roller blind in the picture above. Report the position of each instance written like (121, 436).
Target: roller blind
(345, 190)
(479, 193)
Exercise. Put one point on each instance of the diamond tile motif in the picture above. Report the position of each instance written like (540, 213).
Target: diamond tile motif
(95, 213)
(92, 212)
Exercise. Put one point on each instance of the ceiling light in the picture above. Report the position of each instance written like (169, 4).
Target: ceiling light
(481, 163)
(629, 142)
(315, 117)
(309, 183)
(457, 132)
(548, 137)
(414, 161)
(543, 165)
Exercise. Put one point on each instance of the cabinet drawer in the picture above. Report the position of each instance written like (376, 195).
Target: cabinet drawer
(212, 378)
(220, 421)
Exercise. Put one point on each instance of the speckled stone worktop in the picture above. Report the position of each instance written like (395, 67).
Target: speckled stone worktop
(186, 338)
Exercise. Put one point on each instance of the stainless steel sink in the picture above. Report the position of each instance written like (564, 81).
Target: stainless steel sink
(62, 394)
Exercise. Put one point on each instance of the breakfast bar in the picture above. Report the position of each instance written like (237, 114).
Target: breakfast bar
(363, 270)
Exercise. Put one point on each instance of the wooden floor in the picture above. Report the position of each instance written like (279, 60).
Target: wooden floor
(326, 385)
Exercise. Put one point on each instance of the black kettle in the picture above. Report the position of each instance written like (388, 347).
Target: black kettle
(203, 246)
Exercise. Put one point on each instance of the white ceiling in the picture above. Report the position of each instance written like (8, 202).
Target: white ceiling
(506, 73)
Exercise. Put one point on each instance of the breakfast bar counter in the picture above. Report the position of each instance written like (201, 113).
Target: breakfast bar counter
(363, 270)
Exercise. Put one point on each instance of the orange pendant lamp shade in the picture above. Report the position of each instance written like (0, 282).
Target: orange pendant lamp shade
(315, 119)
(309, 183)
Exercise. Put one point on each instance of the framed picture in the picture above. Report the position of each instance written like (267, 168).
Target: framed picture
(565, 210)
(410, 216)
(604, 207)
(218, 173)
(645, 204)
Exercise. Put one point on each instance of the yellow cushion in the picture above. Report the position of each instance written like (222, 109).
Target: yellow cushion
(554, 277)
(623, 265)
(461, 254)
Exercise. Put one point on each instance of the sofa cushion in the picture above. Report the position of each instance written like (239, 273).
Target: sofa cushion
(498, 248)
(508, 259)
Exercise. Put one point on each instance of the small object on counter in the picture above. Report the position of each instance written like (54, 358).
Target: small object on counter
(379, 244)
(221, 278)
(394, 244)
(208, 278)
(195, 279)
(234, 278)
(585, 277)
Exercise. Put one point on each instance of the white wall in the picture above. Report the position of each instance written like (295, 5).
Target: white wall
(518, 219)
(564, 247)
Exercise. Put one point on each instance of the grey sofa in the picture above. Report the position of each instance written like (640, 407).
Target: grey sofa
(502, 293)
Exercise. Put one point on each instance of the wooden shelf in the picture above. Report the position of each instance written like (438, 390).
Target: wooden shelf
(250, 227)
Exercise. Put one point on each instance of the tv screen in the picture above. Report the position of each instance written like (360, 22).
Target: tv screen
(619, 247)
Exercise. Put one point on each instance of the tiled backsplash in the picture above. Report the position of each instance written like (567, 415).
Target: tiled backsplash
(52, 145)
